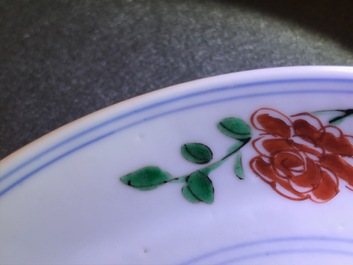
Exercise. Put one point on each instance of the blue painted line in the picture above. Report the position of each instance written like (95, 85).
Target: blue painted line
(322, 251)
(164, 102)
(19, 181)
(26, 176)
(156, 116)
(267, 241)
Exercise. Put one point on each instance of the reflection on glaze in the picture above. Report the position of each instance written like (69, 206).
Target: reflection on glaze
(298, 156)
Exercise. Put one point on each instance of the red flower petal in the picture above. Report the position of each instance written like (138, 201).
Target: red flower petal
(276, 145)
(338, 167)
(265, 171)
(308, 148)
(326, 190)
(272, 122)
(334, 141)
(301, 159)
(310, 178)
(284, 189)
(288, 164)
(307, 126)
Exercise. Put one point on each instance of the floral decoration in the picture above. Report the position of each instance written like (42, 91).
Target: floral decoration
(297, 156)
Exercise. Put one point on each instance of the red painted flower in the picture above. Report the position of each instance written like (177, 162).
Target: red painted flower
(299, 157)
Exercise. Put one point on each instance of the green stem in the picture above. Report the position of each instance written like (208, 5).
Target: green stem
(218, 163)
(177, 180)
(207, 169)
(347, 113)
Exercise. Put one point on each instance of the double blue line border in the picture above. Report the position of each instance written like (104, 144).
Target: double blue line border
(140, 110)
(259, 249)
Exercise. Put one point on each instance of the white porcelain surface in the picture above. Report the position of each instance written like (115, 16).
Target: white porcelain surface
(62, 201)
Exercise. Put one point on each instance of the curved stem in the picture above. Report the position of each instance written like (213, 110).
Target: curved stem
(209, 168)
(323, 111)
(177, 180)
(347, 113)
(218, 163)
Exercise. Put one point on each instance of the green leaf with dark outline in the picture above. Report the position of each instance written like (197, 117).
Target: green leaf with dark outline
(238, 168)
(146, 178)
(188, 195)
(197, 153)
(201, 187)
(235, 128)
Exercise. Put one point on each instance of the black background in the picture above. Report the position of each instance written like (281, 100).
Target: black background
(61, 60)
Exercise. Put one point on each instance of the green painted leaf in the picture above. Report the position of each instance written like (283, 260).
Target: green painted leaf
(235, 128)
(197, 153)
(188, 195)
(238, 168)
(201, 187)
(146, 178)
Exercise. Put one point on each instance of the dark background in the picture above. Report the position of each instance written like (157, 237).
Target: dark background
(61, 60)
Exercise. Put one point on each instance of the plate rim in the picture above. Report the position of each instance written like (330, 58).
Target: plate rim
(39, 147)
